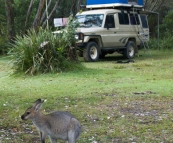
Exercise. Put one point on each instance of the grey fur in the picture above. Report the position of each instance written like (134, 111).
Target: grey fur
(57, 125)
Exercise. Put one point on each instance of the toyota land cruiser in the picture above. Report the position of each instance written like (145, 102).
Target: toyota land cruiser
(105, 31)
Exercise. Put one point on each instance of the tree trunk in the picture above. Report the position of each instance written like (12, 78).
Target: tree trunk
(73, 8)
(37, 19)
(10, 19)
(78, 5)
(51, 13)
(28, 14)
(153, 5)
(44, 14)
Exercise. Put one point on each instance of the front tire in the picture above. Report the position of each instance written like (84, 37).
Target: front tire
(91, 52)
(129, 52)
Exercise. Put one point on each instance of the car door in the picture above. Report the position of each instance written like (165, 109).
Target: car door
(114, 35)
(145, 28)
(109, 31)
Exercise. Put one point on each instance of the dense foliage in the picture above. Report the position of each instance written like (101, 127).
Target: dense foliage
(20, 9)
(3, 35)
(166, 34)
(166, 27)
(45, 52)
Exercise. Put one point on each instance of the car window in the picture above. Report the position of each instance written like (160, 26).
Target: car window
(90, 21)
(109, 22)
(123, 18)
(134, 19)
(144, 21)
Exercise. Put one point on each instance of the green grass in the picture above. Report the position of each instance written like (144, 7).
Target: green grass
(114, 102)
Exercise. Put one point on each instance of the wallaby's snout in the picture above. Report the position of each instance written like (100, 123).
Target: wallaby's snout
(57, 125)
(22, 117)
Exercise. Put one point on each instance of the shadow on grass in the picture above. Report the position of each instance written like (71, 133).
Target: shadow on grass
(142, 55)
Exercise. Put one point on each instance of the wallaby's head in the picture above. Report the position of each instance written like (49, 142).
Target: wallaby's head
(31, 112)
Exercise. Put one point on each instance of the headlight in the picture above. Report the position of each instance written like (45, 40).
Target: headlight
(79, 36)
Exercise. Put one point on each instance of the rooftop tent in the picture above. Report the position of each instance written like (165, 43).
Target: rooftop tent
(92, 2)
(139, 2)
(114, 2)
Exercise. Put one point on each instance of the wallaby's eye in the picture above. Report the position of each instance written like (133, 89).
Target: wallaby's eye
(27, 113)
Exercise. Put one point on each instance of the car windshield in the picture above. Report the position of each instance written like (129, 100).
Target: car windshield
(94, 20)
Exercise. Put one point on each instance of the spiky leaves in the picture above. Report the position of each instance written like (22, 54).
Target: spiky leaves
(44, 52)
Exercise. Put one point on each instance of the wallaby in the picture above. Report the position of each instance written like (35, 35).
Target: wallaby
(57, 125)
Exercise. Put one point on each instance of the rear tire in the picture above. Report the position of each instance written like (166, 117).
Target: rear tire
(129, 52)
(91, 52)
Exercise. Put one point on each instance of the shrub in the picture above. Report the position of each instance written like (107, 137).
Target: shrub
(166, 27)
(163, 44)
(166, 37)
(44, 52)
(153, 44)
(166, 43)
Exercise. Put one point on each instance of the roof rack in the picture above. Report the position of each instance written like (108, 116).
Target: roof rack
(113, 5)
(103, 4)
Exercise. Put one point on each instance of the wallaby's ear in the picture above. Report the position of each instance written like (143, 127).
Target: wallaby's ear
(37, 104)
(38, 101)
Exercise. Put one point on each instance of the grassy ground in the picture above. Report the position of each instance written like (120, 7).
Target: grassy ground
(115, 103)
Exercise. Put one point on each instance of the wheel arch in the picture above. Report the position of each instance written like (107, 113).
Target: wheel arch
(98, 41)
(133, 39)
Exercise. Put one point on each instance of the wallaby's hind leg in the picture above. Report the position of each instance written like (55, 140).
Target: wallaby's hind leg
(71, 136)
(42, 137)
(74, 130)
